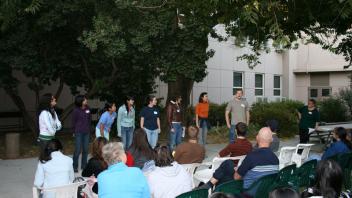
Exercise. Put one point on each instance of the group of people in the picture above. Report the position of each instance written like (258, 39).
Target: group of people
(140, 167)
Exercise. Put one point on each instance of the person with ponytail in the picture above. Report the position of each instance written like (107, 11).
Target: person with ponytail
(126, 122)
(49, 122)
(341, 144)
(103, 127)
(54, 168)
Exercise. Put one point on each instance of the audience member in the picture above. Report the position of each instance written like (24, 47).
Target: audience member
(341, 145)
(119, 180)
(259, 162)
(329, 177)
(168, 179)
(190, 152)
(54, 168)
(221, 195)
(140, 148)
(274, 127)
(96, 164)
(284, 192)
(239, 147)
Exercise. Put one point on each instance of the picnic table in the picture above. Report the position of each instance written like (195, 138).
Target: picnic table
(324, 132)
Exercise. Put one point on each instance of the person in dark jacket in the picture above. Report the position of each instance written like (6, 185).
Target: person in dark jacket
(81, 122)
(96, 164)
(174, 118)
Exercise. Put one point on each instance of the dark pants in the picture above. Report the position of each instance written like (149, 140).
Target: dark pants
(81, 141)
(225, 172)
(303, 136)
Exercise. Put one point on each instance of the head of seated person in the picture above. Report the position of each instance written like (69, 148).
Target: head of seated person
(163, 156)
(241, 129)
(192, 133)
(284, 192)
(114, 153)
(264, 137)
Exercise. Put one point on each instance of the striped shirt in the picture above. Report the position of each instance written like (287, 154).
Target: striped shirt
(257, 164)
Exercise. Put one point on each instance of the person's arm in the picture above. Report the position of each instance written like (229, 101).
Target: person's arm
(227, 115)
(57, 123)
(169, 116)
(39, 176)
(134, 118)
(158, 123)
(45, 115)
(142, 122)
(225, 152)
(197, 117)
(247, 117)
(118, 121)
(237, 176)
(72, 174)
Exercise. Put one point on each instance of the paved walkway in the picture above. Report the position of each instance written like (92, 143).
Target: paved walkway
(17, 175)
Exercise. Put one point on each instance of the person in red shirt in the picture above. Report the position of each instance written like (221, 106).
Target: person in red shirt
(202, 111)
(226, 170)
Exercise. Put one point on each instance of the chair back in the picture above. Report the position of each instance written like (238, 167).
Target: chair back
(233, 187)
(306, 173)
(64, 191)
(263, 186)
(285, 157)
(288, 176)
(201, 193)
(190, 168)
(301, 154)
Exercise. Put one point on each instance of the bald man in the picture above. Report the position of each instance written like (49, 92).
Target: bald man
(259, 162)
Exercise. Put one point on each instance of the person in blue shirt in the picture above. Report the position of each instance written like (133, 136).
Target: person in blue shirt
(119, 180)
(125, 122)
(103, 127)
(341, 145)
(150, 121)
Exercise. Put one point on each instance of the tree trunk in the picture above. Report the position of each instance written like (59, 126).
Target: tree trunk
(27, 118)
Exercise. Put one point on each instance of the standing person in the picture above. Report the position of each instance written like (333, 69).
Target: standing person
(81, 120)
(150, 121)
(202, 112)
(54, 168)
(309, 117)
(125, 122)
(49, 122)
(174, 118)
(239, 113)
(103, 127)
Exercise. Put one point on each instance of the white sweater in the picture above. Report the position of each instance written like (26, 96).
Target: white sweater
(169, 182)
(47, 125)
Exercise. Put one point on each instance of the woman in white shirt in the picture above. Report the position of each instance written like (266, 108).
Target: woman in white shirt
(49, 122)
(169, 179)
(54, 168)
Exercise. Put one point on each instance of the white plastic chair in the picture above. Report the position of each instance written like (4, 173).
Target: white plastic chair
(285, 156)
(190, 168)
(298, 159)
(205, 174)
(64, 191)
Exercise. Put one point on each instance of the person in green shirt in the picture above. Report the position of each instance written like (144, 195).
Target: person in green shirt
(309, 117)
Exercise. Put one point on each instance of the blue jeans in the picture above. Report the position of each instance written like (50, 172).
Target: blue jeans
(81, 141)
(233, 133)
(202, 136)
(176, 135)
(126, 135)
(152, 136)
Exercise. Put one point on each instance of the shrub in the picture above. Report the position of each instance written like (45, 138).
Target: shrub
(284, 112)
(333, 109)
(346, 95)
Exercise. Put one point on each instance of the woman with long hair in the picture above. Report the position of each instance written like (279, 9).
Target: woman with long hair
(126, 121)
(81, 120)
(150, 120)
(202, 112)
(140, 149)
(49, 122)
(329, 178)
(54, 168)
(103, 127)
(168, 179)
(96, 164)
(341, 144)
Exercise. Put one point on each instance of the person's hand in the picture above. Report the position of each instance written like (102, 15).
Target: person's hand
(91, 181)
(159, 131)
(228, 126)
(172, 129)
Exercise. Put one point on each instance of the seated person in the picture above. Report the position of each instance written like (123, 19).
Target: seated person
(284, 192)
(54, 168)
(239, 147)
(329, 177)
(140, 148)
(258, 163)
(190, 152)
(341, 144)
(169, 179)
(274, 127)
(96, 164)
(120, 180)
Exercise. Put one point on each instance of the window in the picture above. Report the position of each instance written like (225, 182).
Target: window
(277, 85)
(237, 81)
(318, 92)
(325, 92)
(259, 85)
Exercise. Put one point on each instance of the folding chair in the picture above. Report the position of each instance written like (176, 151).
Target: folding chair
(285, 157)
(64, 191)
(299, 157)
